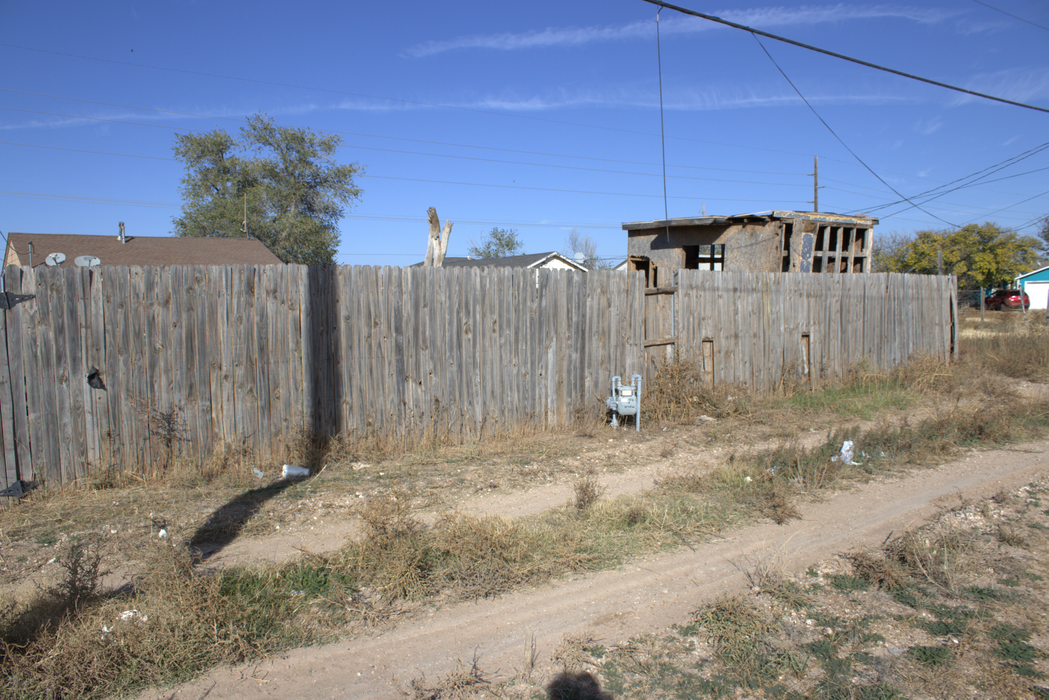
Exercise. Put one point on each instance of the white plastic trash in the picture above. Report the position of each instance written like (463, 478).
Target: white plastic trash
(846, 453)
(293, 472)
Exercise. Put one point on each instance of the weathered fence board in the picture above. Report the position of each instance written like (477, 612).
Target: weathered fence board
(247, 355)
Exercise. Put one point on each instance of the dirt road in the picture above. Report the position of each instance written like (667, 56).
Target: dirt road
(644, 596)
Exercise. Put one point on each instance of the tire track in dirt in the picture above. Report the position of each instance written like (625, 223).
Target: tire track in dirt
(641, 597)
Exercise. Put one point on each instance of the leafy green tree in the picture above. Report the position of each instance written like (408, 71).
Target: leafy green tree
(287, 178)
(889, 251)
(980, 256)
(499, 243)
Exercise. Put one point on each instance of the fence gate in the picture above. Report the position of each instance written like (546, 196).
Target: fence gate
(660, 328)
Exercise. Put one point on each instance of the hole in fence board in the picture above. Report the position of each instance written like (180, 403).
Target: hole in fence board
(708, 360)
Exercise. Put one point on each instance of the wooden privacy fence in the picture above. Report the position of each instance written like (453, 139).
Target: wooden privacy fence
(121, 367)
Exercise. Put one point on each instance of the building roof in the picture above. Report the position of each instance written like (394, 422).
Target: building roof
(1039, 275)
(137, 250)
(826, 217)
(530, 261)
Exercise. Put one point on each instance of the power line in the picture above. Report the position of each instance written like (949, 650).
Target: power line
(455, 157)
(998, 9)
(434, 143)
(390, 99)
(95, 200)
(551, 189)
(82, 150)
(997, 167)
(810, 47)
(461, 145)
(1010, 206)
(834, 133)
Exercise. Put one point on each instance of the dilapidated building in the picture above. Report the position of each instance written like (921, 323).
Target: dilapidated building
(772, 241)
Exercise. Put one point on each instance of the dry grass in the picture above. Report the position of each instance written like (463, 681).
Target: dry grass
(53, 646)
(680, 394)
(587, 492)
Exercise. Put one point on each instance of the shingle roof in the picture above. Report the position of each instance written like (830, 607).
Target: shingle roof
(138, 250)
(526, 261)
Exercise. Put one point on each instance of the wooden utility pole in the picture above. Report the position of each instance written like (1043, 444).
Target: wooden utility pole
(436, 240)
(815, 183)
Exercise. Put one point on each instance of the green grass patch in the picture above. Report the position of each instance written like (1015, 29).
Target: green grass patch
(929, 655)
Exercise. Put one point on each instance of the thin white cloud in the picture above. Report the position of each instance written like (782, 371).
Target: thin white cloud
(686, 100)
(927, 127)
(112, 119)
(763, 18)
(1017, 84)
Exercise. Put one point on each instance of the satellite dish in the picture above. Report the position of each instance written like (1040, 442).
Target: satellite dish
(55, 259)
(87, 261)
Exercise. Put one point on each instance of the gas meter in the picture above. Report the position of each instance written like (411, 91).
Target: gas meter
(625, 400)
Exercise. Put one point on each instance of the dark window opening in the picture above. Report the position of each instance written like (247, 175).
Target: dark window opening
(788, 232)
(817, 264)
(692, 257)
(861, 239)
(643, 264)
(821, 235)
(705, 257)
(835, 232)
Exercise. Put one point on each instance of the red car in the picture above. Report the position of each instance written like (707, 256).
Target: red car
(1007, 300)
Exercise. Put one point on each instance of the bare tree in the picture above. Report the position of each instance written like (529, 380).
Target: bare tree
(437, 240)
(582, 243)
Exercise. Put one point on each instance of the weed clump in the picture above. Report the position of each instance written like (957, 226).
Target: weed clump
(587, 493)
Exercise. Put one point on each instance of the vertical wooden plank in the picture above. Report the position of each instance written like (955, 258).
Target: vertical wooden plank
(296, 377)
(396, 366)
(32, 362)
(51, 467)
(260, 375)
(326, 346)
(155, 396)
(183, 353)
(77, 375)
(18, 363)
(238, 321)
(351, 397)
(471, 332)
(9, 472)
(280, 356)
(426, 303)
(247, 387)
(164, 361)
(184, 360)
(91, 431)
(202, 397)
(409, 349)
(97, 358)
(114, 312)
(218, 332)
(310, 418)
(59, 300)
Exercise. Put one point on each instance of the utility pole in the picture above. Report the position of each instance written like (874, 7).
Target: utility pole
(815, 183)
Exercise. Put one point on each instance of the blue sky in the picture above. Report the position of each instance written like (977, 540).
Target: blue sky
(540, 116)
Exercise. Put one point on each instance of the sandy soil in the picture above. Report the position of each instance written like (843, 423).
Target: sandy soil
(645, 596)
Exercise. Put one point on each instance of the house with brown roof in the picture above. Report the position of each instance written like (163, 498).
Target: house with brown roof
(66, 250)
